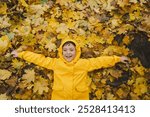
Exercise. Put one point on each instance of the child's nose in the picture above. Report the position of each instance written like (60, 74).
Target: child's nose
(68, 52)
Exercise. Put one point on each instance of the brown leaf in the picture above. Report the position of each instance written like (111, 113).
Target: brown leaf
(12, 81)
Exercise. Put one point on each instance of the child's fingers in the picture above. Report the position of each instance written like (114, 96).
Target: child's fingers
(125, 59)
(14, 53)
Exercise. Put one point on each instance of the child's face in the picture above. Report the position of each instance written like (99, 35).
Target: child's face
(69, 52)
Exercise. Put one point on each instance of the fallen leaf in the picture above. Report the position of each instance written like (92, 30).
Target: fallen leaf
(99, 93)
(41, 86)
(23, 3)
(4, 97)
(29, 76)
(17, 64)
(140, 86)
(62, 28)
(122, 3)
(4, 74)
(4, 44)
(3, 8)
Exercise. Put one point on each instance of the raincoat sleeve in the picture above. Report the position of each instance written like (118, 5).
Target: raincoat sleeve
(102, 62)
(37, 59)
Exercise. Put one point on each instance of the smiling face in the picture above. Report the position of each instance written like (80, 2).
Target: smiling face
(69, 51)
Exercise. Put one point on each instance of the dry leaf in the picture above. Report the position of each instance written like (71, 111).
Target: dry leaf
(17, 64)
(4, 97)
(4, 74)
(4, 44)
(40, 86)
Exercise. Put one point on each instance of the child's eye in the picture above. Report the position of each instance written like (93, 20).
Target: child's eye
(71, 49)
(65, 50)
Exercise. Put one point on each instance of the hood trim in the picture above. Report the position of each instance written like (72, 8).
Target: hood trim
(78, 52)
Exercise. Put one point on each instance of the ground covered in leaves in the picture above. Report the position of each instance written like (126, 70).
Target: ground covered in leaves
(102, 27)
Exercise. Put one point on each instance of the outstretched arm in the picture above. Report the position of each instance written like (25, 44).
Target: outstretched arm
(37, 59)
(104, 62)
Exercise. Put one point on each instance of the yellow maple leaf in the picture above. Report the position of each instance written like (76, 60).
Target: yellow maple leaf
(110, 96)
(93, 38)
(70, 24)
(53, 23)
(145, 23)
(23, 3)
(99, 93)
(107, 5)
(93, 4)
(79, 6)
(27, 79)
(29, 40)
(110, 39)
(25, 96)
(115, 22)
(126, 40)
(124, 28)
(140, 86)
(132, 16)
(37, 20)
(41, 86)
(17, 64)
(115, 73)
(4, 22)
(63, 36)
(4, 97)
(134, 96)
(98, 27)
(103, 81)
(37, 9)
(4, 74)
(4, 44)
(93, 86)
(81, 39)
(62, 28)
(29, 76)
(133, 1)
(62, 2)
(142, 2)
(140, 89)
(120, 92)
(71, 14)
(23, 30)
(122, 3)
(50, 46)
(115, 49)
(130, 82)
(107, 36)
(78, 15)
(93, 20)
(140, 70)
(56, 12)
(3, 8)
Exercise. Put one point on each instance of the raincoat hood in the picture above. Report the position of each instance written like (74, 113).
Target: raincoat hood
(78, 52)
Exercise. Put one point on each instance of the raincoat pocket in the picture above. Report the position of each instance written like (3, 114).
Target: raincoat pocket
(81, 93)
(58, 93)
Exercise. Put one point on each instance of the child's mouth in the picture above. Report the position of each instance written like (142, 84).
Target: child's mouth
(68, 56)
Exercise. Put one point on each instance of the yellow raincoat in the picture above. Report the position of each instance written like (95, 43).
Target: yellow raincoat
(70, 78)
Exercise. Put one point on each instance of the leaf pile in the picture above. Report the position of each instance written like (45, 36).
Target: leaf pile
(102, 27)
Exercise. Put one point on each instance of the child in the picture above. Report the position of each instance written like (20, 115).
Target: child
(70, 71)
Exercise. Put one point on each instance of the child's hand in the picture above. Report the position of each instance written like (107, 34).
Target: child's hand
(20, 49)
(14, 53)
(124, 59)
